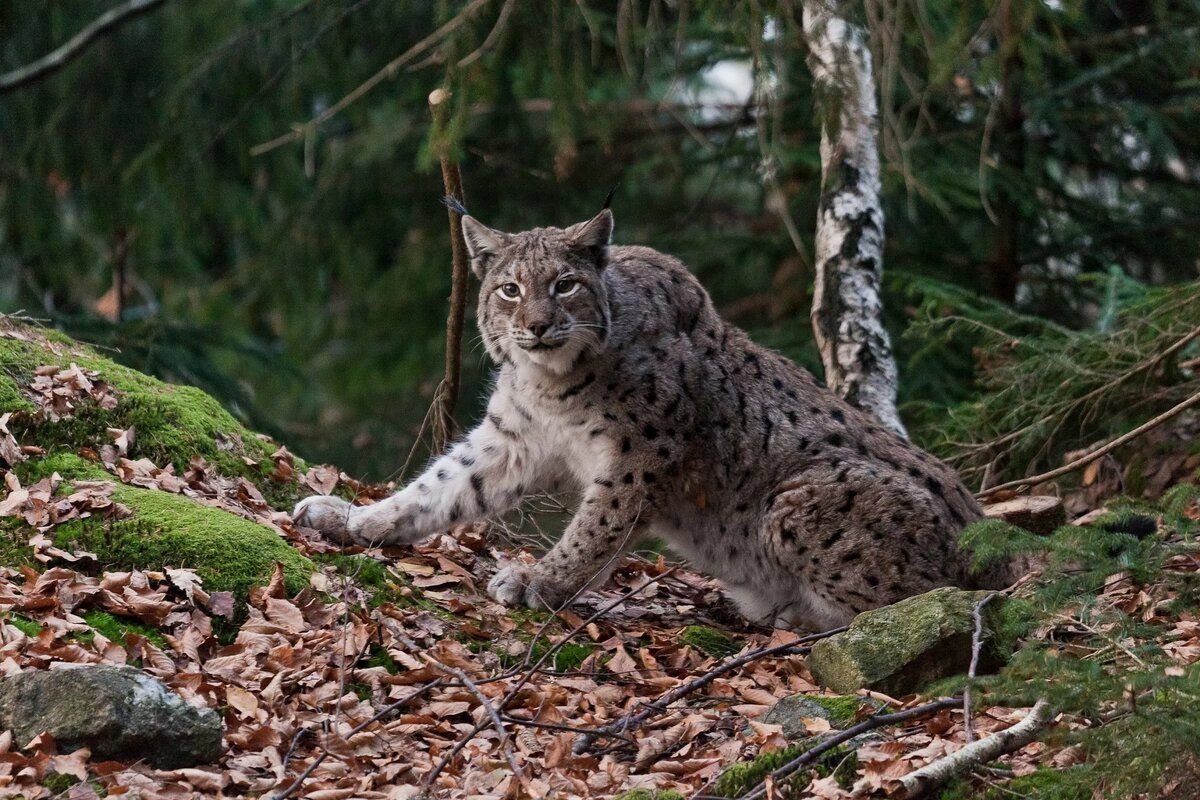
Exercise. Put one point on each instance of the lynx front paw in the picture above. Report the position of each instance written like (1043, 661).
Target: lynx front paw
(329, 515)
(519, 585)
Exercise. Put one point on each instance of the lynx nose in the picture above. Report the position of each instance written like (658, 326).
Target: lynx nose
(538, 329)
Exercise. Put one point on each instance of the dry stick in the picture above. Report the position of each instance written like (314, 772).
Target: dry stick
(868, 724)
(433, 774)
(976, 646)
(633, 721)
(936, 773)
(497, 722)
(383, 712)
(1099, 452)
(388, 71)
(443, 420)
(59, 57)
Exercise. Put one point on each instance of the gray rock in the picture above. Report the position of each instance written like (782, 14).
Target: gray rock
(116, 712)
(899, 648)
(839, 710)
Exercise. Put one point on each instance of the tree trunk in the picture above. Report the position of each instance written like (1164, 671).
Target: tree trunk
(1005, 264)
(847, 312)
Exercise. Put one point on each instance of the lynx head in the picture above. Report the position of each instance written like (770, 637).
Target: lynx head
(543, 300)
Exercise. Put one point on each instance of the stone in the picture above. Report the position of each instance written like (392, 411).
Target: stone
(118, 713)
(1040, 514)
(841, 711)
(897, 649)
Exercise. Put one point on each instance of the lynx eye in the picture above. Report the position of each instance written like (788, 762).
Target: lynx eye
(509, 291)
(566, 286)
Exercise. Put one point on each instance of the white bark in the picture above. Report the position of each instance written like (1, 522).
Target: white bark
(934, 774)
(847, 312)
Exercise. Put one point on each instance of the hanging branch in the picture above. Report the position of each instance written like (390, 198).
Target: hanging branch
(75, 46)
(447, 396)
(847, 313)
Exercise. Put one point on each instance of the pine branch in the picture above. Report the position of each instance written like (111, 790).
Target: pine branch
(75, 46)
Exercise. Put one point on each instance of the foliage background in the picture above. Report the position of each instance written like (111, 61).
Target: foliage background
(1041, 169)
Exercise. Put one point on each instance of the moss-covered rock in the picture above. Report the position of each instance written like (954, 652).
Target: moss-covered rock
(899, 648)
(173, 423)
(710, 641)
(168, 530)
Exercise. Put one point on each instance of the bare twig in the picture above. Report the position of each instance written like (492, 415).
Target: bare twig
(1099, 452)
(443, 419)
(868, 724)
(62, 55)
(389, 70)
(493, 36)
(295, 785)
(976, 646)
(633, 721)
(492, 713)
(979, 752)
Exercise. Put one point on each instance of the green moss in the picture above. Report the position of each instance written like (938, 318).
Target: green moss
(739, 779)
(68, 465)
(173, 423)
(843, 709)
(29, 627)
(378, 657)
(710, 641)
(115, 628)
(229, 553)
(651, 794)
(59, 783)
(567, 658)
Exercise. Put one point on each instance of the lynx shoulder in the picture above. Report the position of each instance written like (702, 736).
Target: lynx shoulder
(616, 374)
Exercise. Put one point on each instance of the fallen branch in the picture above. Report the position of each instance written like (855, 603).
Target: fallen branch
(497, 722)
(62, 55)
(868, 724)
(976, 646)
(936, 773)
(633, 721)
(1099, 452)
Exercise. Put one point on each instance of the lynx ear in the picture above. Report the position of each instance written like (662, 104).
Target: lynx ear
(483, 244)
(595, 235)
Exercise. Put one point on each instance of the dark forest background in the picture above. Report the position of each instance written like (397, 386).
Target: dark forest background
(1041, 170)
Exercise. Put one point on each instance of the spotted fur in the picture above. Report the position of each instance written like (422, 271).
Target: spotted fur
(617, 375)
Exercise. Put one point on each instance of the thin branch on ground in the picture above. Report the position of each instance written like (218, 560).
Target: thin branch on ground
(938, 772)
(1098, 453)
(868, 724)
(633, 721)
(64, 54)
(976, 647)
(493, 714)
(295, 785)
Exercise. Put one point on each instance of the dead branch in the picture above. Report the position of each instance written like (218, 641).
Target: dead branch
(976, 646)
(295, 785)
(443, 420)
(979, 752)
(633, 721)
(1098, 453)
(493, 714)
(64, 54)
(868, 724)
(388, 70)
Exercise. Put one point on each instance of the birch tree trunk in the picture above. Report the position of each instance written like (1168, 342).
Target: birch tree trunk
(847, 311)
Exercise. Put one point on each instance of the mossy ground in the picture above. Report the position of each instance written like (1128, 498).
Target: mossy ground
(710, 641)
(651, 794)
(173, 423)
(741, 778)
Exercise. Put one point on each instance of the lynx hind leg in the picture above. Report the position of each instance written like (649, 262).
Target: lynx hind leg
(855, 540)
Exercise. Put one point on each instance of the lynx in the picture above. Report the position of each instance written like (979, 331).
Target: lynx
(617, 375)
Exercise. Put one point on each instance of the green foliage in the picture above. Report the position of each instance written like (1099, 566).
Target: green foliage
(24, 624)
(115, 628)
(650, 794)
(710, 641)
(1044, 389)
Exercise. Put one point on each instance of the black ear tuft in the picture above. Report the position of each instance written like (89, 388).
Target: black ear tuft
(611, 192)
(451, 202)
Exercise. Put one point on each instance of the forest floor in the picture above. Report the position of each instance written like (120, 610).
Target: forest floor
(389, 673)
